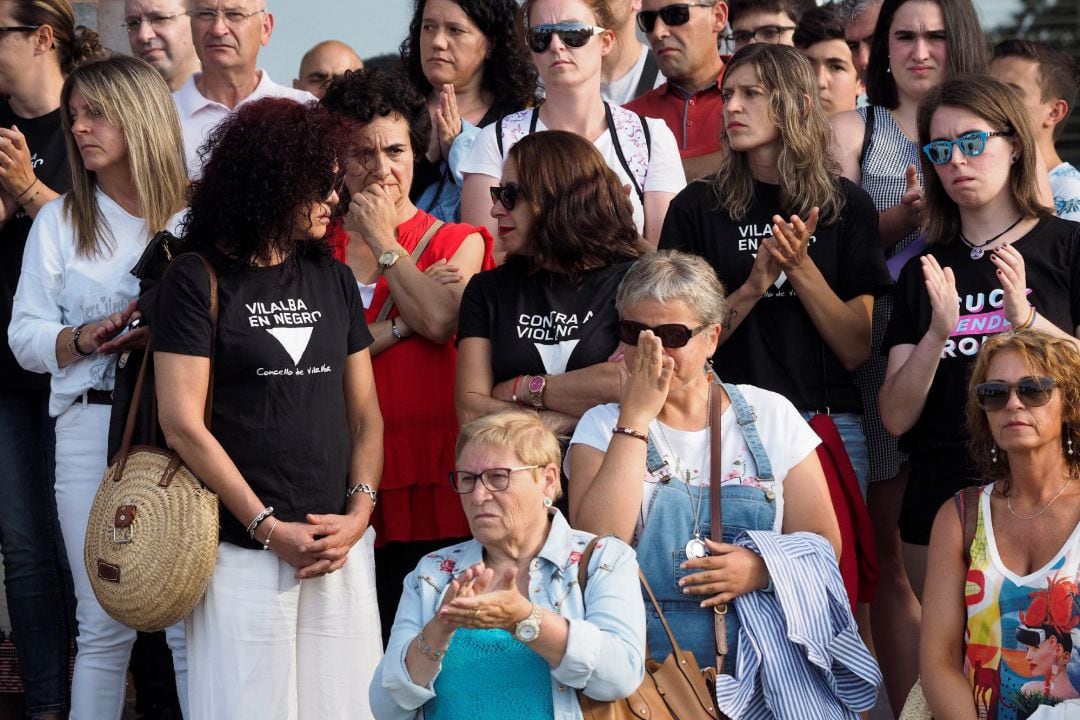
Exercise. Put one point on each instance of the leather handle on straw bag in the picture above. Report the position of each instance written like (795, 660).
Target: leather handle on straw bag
(133, 409)
(717, 522)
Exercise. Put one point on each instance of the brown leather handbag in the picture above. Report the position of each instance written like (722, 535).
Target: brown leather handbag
(677, 688)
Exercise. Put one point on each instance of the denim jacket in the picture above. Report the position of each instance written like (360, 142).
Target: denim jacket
(605, 648)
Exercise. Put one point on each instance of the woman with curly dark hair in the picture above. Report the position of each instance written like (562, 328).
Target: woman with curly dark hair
(462, 55)
(412, 270)
(538, 331)
(295, 451)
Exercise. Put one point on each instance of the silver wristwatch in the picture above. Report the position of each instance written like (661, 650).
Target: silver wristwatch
(529, 629)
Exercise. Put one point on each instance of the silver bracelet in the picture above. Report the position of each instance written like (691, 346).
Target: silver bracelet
(266, 542)
(366, 489)
(266, 512)
(427, 650)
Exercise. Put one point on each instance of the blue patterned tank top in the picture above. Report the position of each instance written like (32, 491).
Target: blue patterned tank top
(488, 675)
(884, 168)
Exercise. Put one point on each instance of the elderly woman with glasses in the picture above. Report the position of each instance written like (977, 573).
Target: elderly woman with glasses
(504, 610)
(1004, 558)
(998, 259)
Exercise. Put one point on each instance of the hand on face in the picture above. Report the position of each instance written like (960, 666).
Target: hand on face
(646, 389)
(373, 215)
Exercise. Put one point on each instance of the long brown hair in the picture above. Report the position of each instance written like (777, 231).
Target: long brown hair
(582, 216)
(808, 175)
(1000, 106)
(1044, 354)
(133, 97)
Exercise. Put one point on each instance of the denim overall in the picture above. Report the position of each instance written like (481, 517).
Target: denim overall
(670, 524)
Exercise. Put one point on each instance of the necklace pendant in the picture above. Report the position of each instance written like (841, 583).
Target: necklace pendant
(976, 253)
(695, 548)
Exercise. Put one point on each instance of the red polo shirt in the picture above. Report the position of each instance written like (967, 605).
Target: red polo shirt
(695, 119)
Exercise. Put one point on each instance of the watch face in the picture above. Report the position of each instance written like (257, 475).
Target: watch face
(387, 258)
(536, 384)
(527, 631)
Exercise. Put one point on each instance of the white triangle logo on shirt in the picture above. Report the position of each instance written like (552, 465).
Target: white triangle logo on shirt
(555, 357)
(293, 339)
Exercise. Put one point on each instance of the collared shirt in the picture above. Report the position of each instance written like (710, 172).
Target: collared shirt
(695, 118)
(799, 647)
(199, 115)
(605, 647)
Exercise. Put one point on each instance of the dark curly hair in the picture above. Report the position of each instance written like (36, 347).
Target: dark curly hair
(364, 95)
(582, 216)
(509, 76)
(264, 163)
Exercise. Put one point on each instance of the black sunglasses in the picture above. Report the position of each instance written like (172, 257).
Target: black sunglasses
(336, 184)
(671, 336)
(1032, 392)
(573, 34)
(506, 195)
(18, 28)
(674, 14)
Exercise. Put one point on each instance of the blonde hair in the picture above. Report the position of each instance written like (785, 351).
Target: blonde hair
(808, 173)
(520, 431)
(673, 275)
(132, 96)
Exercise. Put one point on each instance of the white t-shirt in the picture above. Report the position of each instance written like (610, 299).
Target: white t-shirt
(199, 115)
(1065, 185)
(622, 91)
(787, 438)
(664, 173)
(60, 288)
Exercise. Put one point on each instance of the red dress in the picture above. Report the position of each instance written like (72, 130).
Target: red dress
(414, 379)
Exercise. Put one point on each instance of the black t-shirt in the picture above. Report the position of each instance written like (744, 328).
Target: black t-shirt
(1052, 264)
(777, 346)
(542, 323)
(284, 334)
(48, 154)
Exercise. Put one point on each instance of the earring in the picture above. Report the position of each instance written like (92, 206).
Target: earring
(993, 454)
(1015, 158)
(548, 502)
(1068, 446)
(710, 371)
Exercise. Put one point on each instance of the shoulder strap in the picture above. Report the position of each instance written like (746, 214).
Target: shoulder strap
(583, 566)
(499, 134)
(415, 255)
(648, 75)
(619, 151)
(967, 507)
(868, 133)
(717, 522)
(747, 420)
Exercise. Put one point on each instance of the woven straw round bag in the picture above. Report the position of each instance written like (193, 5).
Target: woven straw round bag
(152, 536)
(152, 539)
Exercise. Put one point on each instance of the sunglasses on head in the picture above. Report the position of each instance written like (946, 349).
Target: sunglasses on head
(573, 34)
(672, 15)
(1032, 392)
(671, 336)
(506, 195)
(971, 144)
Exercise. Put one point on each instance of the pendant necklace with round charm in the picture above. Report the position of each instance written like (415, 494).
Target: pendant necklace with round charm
(695, 547)
(977, 251)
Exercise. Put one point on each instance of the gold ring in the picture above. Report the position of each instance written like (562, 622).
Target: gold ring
(476, 613)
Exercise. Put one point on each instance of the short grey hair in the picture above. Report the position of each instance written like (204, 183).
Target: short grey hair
(673, 275)
(850, 10)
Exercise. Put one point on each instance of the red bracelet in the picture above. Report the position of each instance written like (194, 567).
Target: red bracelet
(514, 388)
(629, 432)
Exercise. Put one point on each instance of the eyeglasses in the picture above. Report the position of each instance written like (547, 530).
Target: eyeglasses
(971, 144)
(765, 33)
(506, 195)
(494, 479)
(336, 184)
(674, 14)
(18, 28)
(134, 23)
(671, 336)
(1032, 392)
(573, 34)
(231, 17)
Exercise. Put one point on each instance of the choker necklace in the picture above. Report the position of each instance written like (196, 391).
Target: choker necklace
(695, 547)
(977, 250)
(1008, 503)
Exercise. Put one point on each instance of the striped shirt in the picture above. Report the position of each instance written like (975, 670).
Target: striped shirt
(799, 647)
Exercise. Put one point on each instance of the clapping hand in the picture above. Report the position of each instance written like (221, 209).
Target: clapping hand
(486, 601)
(790, 242)
(944, 300)
(1012, 275)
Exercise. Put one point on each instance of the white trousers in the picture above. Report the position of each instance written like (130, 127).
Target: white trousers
(104, 645)
(265, 645)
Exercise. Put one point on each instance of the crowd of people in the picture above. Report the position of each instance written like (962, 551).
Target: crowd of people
(556, 336)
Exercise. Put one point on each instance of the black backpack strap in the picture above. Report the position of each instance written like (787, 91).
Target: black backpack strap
(648, 75)
(619, 151)
(868, 134)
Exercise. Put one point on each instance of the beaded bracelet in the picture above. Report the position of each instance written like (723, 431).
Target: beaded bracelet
(629, 432)
(266, 542)
(427, 650)
(266, 512)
